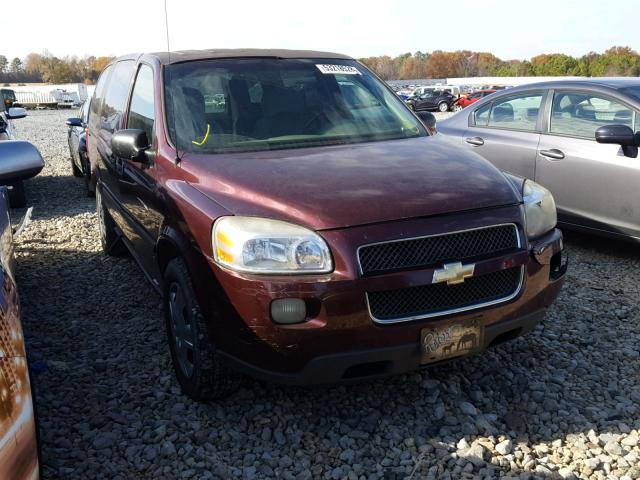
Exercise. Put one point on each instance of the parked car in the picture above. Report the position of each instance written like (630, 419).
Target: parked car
(578, 138)
(432, 100)
(453, 89)
(466, 100)
(303, 236)
(8, 113)
(18, 432)
(77, 140)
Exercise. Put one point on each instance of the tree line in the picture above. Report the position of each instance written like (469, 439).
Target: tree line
(616, 61)
(47, 68)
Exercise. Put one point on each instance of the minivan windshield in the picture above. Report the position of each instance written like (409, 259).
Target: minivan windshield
(258, 104)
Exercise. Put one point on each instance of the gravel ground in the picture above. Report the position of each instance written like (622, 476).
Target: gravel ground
(560, 402)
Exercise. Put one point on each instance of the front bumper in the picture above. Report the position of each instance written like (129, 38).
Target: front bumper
(379, 362)
(340, 341)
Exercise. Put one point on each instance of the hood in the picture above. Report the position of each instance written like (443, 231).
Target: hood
(348, 185)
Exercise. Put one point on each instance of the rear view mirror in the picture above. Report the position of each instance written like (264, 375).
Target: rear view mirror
(74, 122)
(16, 112)
(619, 135)
(19, 160)
(428, 119)
(130, 144)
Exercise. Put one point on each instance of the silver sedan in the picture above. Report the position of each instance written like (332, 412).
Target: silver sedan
(578, 138)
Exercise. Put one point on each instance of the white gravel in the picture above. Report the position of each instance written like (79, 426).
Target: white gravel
(560, 402)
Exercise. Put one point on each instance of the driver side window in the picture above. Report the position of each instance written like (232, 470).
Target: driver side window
(580, 114)
(142, 109)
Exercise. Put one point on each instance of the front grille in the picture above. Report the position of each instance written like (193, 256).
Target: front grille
(439, 298)
(438, 249)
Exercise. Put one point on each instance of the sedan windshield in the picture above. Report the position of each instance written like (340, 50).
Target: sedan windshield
(266, 104)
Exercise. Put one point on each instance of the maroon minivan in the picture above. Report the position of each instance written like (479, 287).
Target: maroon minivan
(303, 225)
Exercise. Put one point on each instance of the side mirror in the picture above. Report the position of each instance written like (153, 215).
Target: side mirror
(19, 160)
(428, 119)
(619, 135)
(74, 122)
(16, 112)
(130, 144)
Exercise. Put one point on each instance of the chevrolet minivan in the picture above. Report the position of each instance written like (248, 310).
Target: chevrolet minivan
(302, 224)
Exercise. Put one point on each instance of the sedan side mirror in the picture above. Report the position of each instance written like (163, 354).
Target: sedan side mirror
(619, 135)
(428, 119)
(130, 144)
(16, 112)
(74, 122)
(19, 160)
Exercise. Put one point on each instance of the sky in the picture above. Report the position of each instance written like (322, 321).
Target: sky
(509, 29)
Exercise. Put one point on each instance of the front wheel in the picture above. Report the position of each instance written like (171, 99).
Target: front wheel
(74, 169)
(196, 362)
(457, 108)
(110, 240)
(86, 173)
(443, 107)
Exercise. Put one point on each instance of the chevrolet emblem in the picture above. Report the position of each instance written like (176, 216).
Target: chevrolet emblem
(453, 273)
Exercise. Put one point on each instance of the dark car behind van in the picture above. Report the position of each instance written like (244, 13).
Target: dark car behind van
(302, 224)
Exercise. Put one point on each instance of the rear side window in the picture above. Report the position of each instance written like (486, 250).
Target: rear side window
(580, 114)
(115, 98)
(142, 110)
(516, 113)
(98, 95)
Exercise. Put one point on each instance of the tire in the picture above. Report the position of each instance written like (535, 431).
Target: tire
(443, 107)
(86, 173)
(74, 169)
(197, 365)
(457, 108)
(111, 242)
(17, 195)
(412, 107)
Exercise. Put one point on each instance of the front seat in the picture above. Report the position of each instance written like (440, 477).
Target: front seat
(190, 122)
(503, 113)
(245, 113)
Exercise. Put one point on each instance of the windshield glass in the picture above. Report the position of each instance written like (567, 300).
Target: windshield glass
(266, 104)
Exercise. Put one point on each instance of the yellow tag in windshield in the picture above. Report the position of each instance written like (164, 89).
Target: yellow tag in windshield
(206, 137)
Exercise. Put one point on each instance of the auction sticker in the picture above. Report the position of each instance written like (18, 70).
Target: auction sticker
(338, 69)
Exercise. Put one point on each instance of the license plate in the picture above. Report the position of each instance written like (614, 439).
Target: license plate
(451, 340)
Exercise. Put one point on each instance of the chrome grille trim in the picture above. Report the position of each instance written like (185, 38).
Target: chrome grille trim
(515, 227)
(450, 311)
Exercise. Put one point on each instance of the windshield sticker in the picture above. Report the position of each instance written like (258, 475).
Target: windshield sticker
(338, 69)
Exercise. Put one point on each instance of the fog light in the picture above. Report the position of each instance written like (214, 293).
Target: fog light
(288, 310)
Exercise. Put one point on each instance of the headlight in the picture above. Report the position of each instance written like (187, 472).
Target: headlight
(539, 208)
(260, 245)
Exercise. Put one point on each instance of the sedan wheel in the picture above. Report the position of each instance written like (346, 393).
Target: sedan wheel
(457, 108)
(443, 107)
(109, 238)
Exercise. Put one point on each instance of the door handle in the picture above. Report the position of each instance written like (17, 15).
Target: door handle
(554, 153)
(475, 141)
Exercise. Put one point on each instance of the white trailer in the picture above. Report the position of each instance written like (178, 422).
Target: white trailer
(36, 100)
(49, 96)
